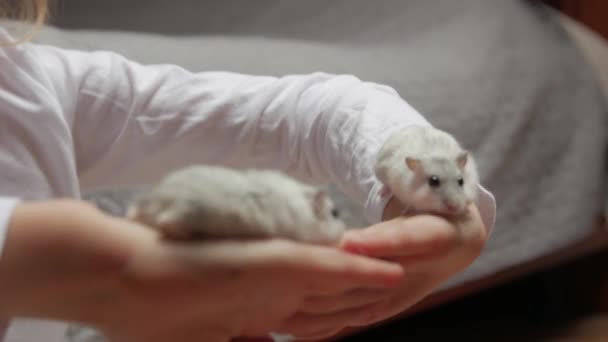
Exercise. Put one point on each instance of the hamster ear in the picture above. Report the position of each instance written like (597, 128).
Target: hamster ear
(318, 199)
(462, 159)
(412, 163)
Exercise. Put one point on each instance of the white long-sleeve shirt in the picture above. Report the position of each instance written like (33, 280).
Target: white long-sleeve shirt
(75, 121)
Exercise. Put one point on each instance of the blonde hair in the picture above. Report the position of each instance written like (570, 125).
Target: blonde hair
(34, 12)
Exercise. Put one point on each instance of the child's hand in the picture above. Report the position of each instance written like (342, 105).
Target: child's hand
(429, 248)
(225, 289)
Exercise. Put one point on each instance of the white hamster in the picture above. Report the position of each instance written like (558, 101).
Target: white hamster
(427, 170)
(215, 202)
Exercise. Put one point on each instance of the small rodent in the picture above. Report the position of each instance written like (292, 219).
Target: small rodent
(427, 170)
(212, 202)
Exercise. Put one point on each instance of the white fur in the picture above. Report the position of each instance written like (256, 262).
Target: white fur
(217, 202)
(437, 152)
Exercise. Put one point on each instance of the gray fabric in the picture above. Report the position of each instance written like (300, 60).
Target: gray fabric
(500, 75)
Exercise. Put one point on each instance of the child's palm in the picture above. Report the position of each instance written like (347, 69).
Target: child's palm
(217, 290)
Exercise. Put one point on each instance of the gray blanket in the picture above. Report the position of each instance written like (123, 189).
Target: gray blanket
(502, 76)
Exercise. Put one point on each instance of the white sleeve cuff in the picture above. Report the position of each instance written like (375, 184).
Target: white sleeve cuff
(7, 205)
(486, 203)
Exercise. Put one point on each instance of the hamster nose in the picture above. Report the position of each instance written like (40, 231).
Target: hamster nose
(451, 207)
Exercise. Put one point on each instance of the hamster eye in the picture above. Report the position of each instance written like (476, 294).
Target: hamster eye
(335, 213)
(434, 182)
(460, 181)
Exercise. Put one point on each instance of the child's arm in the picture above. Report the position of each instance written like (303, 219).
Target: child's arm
(131, 123)
(58, 253)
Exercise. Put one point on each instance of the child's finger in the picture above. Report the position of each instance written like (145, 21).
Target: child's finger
(348, 300)
(331, 271)
(418, 235)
